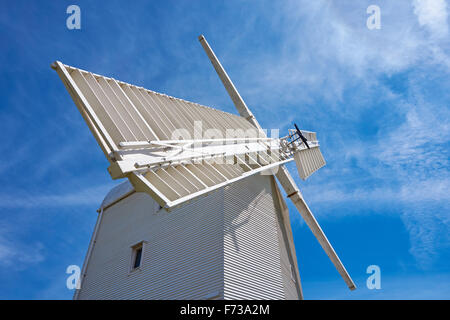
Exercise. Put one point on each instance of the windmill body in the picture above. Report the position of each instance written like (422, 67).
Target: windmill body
(230, 244)
(201, 215)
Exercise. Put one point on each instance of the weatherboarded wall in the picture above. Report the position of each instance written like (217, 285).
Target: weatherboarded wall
(251, 248)
(289, 268)
(182, 256)
(228, 244)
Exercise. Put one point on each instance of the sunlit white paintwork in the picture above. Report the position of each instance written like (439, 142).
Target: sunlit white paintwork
(282, 174)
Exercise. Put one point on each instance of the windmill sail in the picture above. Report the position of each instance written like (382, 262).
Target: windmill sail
(151, 138)
(308, 159)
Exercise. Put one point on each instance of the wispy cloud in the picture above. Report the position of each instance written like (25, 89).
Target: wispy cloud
(310, 62)
(329, 56)
(417, 152)
(19, 255)
(434, 190)
(432, 14)
(411, 164)
(86, 197)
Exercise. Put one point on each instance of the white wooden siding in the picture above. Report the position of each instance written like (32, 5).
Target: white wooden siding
(182, 257)
(252, 253)
(224, 245)
(291, 282)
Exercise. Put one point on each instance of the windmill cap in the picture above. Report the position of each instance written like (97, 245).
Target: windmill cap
(117, 193)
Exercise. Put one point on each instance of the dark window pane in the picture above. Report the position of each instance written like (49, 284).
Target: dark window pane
(137, 258)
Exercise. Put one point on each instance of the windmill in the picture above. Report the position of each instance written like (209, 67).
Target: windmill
(201, 215)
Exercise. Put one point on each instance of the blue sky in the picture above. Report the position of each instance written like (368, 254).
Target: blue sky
(379, 100)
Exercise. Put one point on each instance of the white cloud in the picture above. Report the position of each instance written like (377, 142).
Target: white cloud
(327, 51)
(324, 43)
(19, 255)
(432, 14)
(428, 225)
(326, 48)
(431, 190)
(418, 154)
(415, 149)
(411, 162)
(92, 196)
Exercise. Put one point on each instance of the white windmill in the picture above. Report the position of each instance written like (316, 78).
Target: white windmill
(201, 215)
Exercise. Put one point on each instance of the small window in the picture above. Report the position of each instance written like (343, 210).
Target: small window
(136, 256)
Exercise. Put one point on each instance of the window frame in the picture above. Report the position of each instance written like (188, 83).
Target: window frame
(134, 248)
